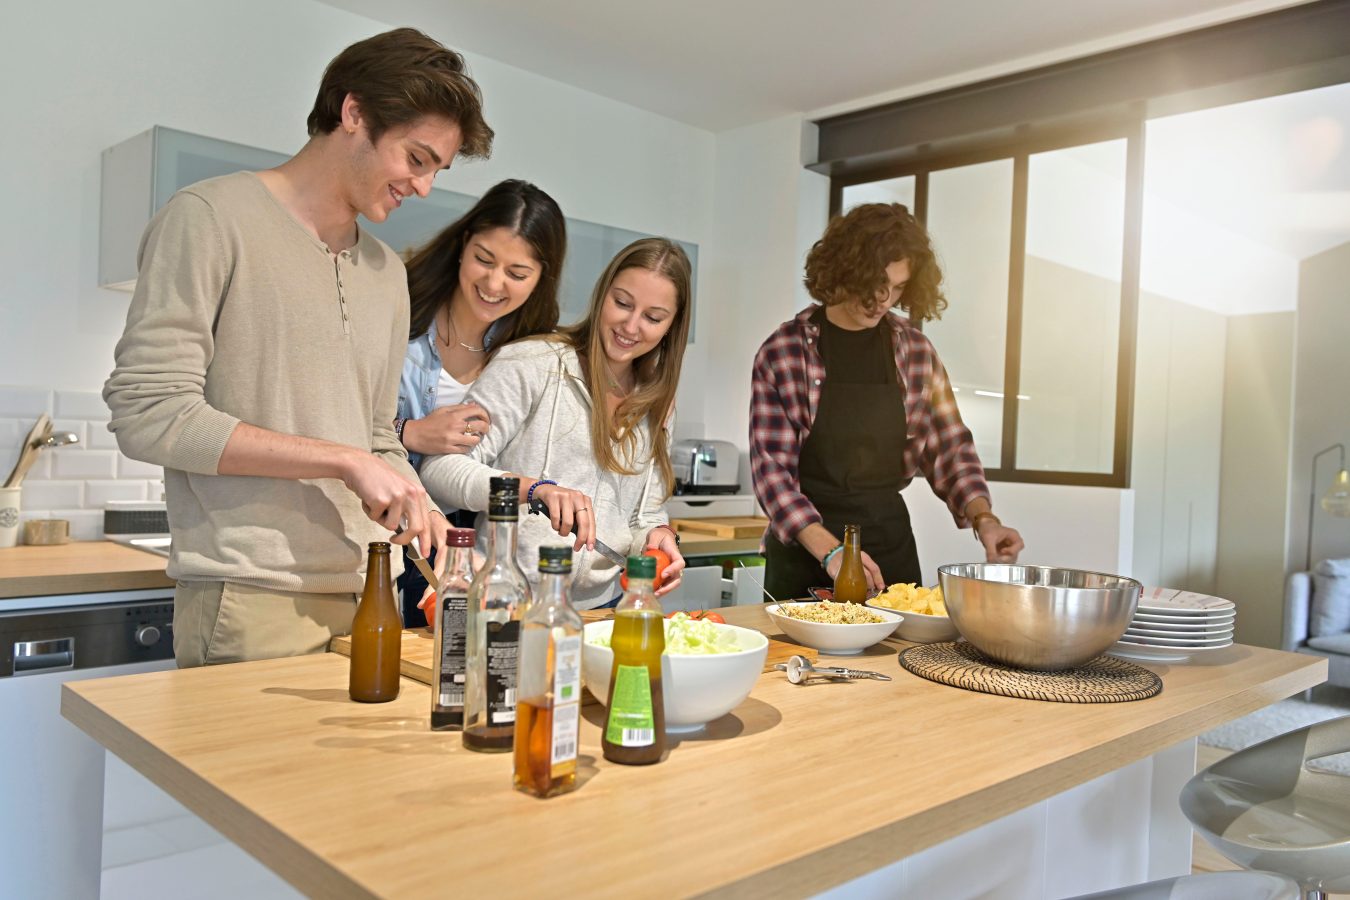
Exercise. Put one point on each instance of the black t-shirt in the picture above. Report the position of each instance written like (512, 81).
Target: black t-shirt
(856, 357)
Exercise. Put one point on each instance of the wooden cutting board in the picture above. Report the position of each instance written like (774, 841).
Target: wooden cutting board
(415, 658)
(730, 527)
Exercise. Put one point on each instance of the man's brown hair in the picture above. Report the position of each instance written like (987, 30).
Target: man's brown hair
(849, 261)
(398, 77)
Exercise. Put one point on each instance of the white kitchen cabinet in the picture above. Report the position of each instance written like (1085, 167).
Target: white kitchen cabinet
(142, 173)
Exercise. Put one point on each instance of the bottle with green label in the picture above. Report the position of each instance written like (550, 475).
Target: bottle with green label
(548, 713)
(635, 716)
(497, 599)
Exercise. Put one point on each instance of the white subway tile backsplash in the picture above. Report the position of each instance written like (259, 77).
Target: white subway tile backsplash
(52, 495)
(68, 462)
(97, 494)
(100, 438)
(134, 468)
(25, 402)
(81, 405)
(80, 479)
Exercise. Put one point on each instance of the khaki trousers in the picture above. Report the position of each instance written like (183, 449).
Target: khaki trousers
(223, 622)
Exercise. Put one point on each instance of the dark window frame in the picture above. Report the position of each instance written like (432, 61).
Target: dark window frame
(1131, 130)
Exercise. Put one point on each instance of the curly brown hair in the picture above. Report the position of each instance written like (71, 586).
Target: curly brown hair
(849, 261)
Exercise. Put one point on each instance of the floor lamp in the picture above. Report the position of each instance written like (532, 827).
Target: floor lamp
(1335, 501)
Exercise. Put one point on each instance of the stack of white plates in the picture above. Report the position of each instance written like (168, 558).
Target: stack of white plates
(1172, 626)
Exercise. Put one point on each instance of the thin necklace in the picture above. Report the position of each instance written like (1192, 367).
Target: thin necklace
(450, 326)
(614, 382)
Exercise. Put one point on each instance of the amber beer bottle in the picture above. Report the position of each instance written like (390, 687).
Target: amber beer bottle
(850, 584)
(377, 634)
(635, 716)
(548, 711)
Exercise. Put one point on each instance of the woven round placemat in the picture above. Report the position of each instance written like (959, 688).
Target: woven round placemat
(1101, 680)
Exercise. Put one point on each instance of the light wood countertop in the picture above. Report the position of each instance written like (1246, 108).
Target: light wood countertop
(800, 789)
(77, 568)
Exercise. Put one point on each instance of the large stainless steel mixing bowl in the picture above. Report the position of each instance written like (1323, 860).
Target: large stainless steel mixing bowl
(1037, 617)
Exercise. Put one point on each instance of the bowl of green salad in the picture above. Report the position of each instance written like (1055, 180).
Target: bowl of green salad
(708, 668)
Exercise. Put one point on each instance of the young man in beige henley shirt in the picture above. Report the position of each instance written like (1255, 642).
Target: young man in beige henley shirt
(262, 352)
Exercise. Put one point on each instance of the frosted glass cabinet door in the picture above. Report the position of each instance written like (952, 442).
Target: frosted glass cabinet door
(142, 173)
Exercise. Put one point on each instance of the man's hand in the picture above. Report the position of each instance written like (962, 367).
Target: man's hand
(874, 580)
(440, 543)
(450, 429)
(389, 499)
(1001, 543)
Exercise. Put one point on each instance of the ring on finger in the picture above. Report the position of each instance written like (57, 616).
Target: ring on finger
(469, 431)
(584, 509)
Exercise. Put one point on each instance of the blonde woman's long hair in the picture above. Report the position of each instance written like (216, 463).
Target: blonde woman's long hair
(614, 439)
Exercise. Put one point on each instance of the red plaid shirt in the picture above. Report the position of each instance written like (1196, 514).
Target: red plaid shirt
(785, 393)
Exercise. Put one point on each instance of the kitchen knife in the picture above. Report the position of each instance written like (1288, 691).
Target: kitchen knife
(537, 507)
(422, 565)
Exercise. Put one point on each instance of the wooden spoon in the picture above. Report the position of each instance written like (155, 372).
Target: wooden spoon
(29, 450)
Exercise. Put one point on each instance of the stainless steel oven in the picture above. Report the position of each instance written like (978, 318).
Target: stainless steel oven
(34, 641)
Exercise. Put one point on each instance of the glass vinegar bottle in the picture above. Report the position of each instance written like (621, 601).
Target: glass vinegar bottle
(497, 599)
(548, 713)
(635, 714)
(451, 621)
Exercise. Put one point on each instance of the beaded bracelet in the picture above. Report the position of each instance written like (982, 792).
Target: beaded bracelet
(825, 560)
(398, 428)
(669, 528)
(529, 495)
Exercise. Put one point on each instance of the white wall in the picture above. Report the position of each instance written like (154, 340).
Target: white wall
(248, 72)
(1321, 400)
(1254, 474)
(1074, 527)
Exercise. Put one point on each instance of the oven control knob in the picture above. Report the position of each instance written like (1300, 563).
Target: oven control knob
(147, 635)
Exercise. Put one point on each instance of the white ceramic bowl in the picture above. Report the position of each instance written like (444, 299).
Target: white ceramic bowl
(921, 628)
(838, 640)
(697, 689)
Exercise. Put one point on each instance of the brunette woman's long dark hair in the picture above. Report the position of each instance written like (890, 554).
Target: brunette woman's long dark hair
(433, 271)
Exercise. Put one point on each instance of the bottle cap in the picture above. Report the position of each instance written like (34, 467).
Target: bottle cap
(642, 567)
(555, 560)
(503, 498)
(461, 537)
(379, 546)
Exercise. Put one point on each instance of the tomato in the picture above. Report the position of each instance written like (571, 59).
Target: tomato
(706, 615)
(662, 561)
(428, 607)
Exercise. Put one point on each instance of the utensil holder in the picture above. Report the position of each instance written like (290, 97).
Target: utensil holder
(9, 516)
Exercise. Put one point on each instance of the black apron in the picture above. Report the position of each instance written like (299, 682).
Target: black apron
(850, 465)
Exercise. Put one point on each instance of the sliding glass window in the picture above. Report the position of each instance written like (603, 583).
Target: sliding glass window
(1039, 253)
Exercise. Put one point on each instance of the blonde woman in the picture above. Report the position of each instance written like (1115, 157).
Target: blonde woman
(580, 418)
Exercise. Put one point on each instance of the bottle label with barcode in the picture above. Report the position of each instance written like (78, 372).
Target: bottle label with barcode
(453, 636)
(566, 704)
(630, 722)
(503, 650)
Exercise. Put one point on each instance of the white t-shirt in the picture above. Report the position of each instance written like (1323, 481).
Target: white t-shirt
(449, 391)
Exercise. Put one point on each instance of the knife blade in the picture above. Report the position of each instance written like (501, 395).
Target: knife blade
(422, 565)
(539, 508)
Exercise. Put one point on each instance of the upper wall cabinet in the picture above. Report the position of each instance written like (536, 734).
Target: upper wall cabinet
(142, 173)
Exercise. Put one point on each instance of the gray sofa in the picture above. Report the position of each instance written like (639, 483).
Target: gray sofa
(1317, 616)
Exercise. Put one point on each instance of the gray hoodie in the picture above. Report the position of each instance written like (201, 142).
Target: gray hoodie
(536, 394)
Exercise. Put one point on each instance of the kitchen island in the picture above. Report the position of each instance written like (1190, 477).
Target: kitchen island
(799, 790)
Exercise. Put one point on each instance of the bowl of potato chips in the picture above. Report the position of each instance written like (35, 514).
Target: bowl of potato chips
(924, 611)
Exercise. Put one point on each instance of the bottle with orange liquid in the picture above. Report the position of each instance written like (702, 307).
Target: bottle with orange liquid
(850, 584)
(377, 634)
(548, 713)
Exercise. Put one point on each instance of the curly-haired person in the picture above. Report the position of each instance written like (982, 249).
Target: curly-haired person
(850, 401)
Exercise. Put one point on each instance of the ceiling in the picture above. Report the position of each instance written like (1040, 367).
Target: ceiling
(719, 64)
